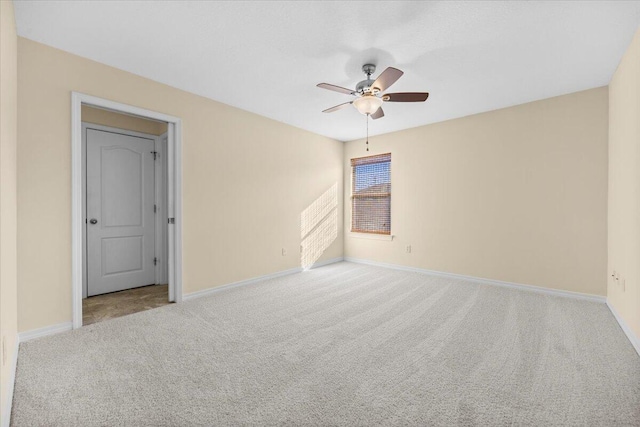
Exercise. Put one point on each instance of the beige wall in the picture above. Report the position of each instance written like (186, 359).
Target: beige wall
(98, 116)
(8, 229)
(246, 181)
(624, 187)
(517, 194)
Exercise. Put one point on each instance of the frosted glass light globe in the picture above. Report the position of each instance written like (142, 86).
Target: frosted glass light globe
(367, 104)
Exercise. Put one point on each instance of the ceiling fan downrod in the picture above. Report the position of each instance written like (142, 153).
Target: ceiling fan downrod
(364, 87)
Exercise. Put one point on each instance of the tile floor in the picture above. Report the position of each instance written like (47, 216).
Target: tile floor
(117, 304)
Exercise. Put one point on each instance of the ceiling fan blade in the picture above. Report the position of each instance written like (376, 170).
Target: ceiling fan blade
(378, 114)
(405, 97)
(387, 78)
(336, 88)
(337, 107)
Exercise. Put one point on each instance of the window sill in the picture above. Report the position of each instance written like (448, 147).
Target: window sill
(371, 236)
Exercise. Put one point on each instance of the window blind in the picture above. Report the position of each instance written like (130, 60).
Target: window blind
(371, 194)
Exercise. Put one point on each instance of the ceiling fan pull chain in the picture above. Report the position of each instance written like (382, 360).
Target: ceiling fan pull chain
(367, 119)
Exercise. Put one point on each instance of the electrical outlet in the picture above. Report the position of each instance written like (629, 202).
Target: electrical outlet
(409, 249)
(284, 252)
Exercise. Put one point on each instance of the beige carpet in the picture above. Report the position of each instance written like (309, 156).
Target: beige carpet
(344, 344)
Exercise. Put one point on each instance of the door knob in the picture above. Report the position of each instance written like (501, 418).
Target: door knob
(93, 221)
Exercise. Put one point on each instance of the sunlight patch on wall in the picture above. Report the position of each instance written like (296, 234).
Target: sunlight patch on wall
(319, 226)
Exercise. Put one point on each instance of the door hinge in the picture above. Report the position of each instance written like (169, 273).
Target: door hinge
(155, 208)
(171, 220)
(155, 261)
(155, 154)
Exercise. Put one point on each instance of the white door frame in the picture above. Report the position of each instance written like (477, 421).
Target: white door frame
(174, 157)
(162, 240)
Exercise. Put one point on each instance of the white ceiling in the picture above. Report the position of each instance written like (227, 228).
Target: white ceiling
(267, 57)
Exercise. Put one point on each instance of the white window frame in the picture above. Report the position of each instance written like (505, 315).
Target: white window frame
(363, 234)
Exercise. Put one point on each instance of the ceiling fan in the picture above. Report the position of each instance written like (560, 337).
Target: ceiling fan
(369, 92)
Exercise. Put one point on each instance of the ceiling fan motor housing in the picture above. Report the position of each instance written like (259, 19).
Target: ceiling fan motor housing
(365, 87)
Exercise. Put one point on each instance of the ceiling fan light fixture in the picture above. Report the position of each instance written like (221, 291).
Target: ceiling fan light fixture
(367, 104)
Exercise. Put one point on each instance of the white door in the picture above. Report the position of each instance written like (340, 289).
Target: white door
(120, 212)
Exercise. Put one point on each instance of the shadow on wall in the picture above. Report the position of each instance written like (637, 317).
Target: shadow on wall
(319, 226)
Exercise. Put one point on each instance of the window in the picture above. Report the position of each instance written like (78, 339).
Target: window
(371, 194)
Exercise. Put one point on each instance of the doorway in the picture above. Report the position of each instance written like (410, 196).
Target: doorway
(126, 200)
(124, 178)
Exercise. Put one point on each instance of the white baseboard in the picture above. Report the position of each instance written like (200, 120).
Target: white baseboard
(43, 332)
(635, 341)
(210, 291)
(327, 262)
(67, 326)
(530, 288)
(8, 403)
